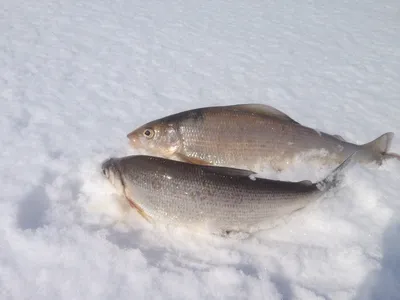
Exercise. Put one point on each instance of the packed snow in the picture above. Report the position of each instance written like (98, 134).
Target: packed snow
(77, 76)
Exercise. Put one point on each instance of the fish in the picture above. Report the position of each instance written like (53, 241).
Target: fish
(211, 199)
(248, 136)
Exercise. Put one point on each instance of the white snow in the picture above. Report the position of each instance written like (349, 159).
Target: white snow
(77, 76)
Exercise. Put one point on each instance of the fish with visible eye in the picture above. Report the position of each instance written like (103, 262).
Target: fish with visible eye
(158, 139)
(212, 199)
(248, 136)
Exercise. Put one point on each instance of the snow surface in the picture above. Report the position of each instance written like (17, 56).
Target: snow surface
(77, 76)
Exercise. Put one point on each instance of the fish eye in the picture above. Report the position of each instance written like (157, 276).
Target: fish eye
(148, 133)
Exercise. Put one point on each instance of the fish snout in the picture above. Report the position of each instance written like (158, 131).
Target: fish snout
(133, 139)
(105, 167)
(111, 171)
(131, 135)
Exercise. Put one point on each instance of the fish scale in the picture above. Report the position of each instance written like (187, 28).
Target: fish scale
(248, 142)
(248, 136)
(219, 199)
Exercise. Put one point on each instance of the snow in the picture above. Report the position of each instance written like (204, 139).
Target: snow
(77, 76)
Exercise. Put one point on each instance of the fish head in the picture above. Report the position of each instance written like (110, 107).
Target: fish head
(110, 171)
(158, 137)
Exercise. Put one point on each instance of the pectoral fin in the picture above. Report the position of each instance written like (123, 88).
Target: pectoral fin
(139, 210)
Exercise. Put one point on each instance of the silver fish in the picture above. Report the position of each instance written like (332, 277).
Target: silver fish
(212, 199)
(248, 136)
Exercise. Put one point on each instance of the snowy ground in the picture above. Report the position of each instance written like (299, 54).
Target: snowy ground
(77, 76)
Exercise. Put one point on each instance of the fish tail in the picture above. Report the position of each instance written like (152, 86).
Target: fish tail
(391, 155)
(336, 176)
(380, 146)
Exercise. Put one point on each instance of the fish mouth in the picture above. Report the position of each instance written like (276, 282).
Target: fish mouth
(131, 135)
(134, 140)
(106, 165)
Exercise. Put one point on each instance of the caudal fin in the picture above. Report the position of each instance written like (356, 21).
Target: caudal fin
(391, 155)
(379, 147)
(337, 175)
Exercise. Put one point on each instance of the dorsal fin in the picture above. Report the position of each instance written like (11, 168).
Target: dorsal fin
(264, 110)
(228, 171)
(306, 182)
(214, 169)
(339, 137)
